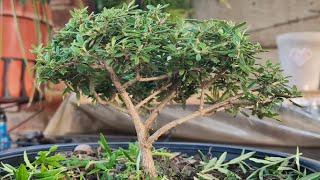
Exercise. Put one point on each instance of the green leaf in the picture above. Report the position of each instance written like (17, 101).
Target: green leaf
(113, 41)
(240, 158)
(261, 174)
(124, 152)
(313, 176)
(26, 160)
(207, 176)
(210, 164)
(198, 57)
(104, 144)
(53, 148)
(297, 157)
(221, 159)
(22, 173)
(49, 173)
(260, 161)
(136, 60)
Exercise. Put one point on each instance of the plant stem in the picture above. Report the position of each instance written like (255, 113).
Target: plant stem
(142, 134)
(152, 118)
(149, 98)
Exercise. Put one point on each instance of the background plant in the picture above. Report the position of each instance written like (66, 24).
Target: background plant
(139, 61)
(177, 8)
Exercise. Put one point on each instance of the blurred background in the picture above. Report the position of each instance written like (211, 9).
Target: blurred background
(287, 29)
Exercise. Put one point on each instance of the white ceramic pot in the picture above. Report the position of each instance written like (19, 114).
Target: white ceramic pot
(300, 58)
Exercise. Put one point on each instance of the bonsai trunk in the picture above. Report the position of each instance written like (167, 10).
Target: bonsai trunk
(146, 155)
(142, 132)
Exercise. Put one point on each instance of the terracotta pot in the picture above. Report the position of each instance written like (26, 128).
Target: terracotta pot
(18, 35)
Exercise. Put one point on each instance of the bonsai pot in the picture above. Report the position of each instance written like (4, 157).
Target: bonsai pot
(22, 25)
(15, 156)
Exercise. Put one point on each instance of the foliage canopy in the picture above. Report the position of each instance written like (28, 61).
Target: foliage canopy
(189, 56)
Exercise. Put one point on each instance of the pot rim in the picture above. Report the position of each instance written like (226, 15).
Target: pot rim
(310, 164)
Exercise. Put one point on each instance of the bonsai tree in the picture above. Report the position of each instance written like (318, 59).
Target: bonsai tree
(140, 61)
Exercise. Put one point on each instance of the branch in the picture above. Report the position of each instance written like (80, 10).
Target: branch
(211, 109)
(173, 124)
(146, 79)
(139, 126)
(157, 78)
(100, 101)
(147, 99)
(157, 110)
(201, 98)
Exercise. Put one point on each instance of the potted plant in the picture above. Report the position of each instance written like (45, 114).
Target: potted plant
(24, 23)
(140, 61)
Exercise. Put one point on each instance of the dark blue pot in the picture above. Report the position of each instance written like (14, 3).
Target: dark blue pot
(15, 156)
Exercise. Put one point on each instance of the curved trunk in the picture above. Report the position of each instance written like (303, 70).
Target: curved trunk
(141, 130)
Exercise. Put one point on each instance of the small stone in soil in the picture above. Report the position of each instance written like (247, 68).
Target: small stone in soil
(83, 149)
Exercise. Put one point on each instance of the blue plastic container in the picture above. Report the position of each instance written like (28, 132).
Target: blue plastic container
(5, 141)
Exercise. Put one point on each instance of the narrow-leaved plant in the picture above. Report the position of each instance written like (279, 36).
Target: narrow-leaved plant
(139, 61)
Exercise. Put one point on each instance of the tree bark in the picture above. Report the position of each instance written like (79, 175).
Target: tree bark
(147, 159)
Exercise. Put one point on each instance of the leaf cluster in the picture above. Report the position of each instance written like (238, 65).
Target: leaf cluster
(255, 168)
(178, 8)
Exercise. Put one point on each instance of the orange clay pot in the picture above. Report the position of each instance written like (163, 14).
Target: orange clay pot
(17, 36)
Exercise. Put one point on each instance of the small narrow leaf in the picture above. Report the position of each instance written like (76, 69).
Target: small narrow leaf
(240, 158)
(26, 160)
(221, 159)
(104, 144)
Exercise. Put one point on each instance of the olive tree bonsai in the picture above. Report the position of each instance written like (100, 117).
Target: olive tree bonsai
(139, 61)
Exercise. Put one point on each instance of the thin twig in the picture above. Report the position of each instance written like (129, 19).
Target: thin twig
(201, 98)
(145, 79)
(152, 118)
(149, 98)
(157, 78)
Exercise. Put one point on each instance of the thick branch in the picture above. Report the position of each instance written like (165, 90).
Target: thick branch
(142, 133)
(198, 113)
(152, 118)
(149, 98)
(127, 100)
